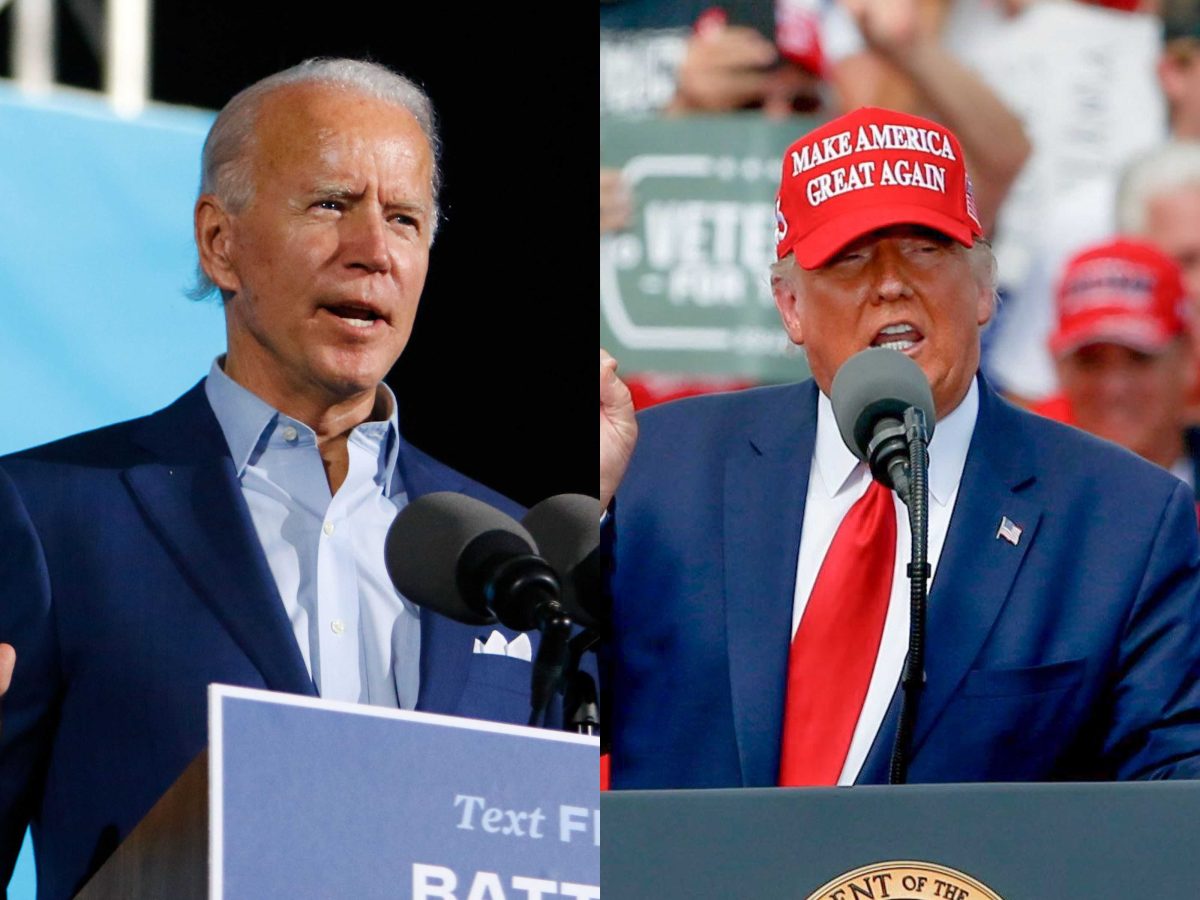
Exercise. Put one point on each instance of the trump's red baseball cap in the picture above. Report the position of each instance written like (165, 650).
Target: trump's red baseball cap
(1123, 291)
(870, 169)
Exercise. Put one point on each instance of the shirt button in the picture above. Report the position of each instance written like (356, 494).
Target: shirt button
(327, 528)
(338, 626)
(290, 434)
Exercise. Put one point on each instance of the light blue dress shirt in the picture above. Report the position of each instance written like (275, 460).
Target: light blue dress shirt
(359, 637)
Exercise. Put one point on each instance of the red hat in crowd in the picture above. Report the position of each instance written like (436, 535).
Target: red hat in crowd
(1123, 292)
(797, 30)
(798, 35)
(867, 170)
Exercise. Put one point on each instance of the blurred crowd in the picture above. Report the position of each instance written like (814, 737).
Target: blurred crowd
(1080, 122)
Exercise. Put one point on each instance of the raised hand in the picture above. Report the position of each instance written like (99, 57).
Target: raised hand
(618, 428)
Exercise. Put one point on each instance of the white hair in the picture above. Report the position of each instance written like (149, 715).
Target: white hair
(225, 163)
(1164, 170)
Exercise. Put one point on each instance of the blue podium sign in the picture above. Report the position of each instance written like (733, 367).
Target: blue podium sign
(310, 798)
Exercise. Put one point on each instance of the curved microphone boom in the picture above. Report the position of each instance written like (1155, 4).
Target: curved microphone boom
(872, 392)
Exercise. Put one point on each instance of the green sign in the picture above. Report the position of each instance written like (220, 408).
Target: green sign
(685, 288)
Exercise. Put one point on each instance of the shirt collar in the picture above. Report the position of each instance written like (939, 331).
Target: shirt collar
(1182, 469)
(249, 423)
(839, 469)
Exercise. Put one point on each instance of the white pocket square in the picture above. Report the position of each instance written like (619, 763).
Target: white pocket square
(517, 648)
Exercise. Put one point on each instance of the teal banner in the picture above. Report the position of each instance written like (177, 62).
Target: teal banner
(685, 287)
(95, 255)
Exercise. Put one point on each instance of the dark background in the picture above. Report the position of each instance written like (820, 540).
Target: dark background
(508, 309)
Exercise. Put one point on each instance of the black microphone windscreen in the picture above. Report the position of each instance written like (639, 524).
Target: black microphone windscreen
(427, 540)
(872, 384)
(566, 528)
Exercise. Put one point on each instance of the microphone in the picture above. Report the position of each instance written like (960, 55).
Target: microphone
(566, 529)
(460, 557)
(466, 560)
(872, 393)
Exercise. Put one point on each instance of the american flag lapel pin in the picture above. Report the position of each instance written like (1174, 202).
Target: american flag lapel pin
(1009, 530)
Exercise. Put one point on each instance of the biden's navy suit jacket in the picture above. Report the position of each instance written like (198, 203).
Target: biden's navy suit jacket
(1069, 655)
(131, 578)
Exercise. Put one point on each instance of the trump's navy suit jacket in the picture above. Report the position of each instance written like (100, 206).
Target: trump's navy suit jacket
(1069, 655)
(130, 579)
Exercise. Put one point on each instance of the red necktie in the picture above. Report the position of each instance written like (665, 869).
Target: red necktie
(835, 647)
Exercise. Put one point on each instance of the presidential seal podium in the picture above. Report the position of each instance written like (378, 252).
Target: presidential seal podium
(912, 842)
(299, 798)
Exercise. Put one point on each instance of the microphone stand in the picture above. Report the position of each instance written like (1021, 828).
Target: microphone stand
(915, 494)
(524, 593)
(551, 660)
(557, 668)
(581, 708)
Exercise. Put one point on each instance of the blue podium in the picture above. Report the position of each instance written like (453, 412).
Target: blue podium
(301, 798)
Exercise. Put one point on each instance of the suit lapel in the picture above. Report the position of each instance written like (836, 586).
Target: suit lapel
(766, 482)
(421, 474)
(976, 571)
(446, 645)
(192, 500)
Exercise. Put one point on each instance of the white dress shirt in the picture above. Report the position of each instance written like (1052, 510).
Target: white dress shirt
(836, 481)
